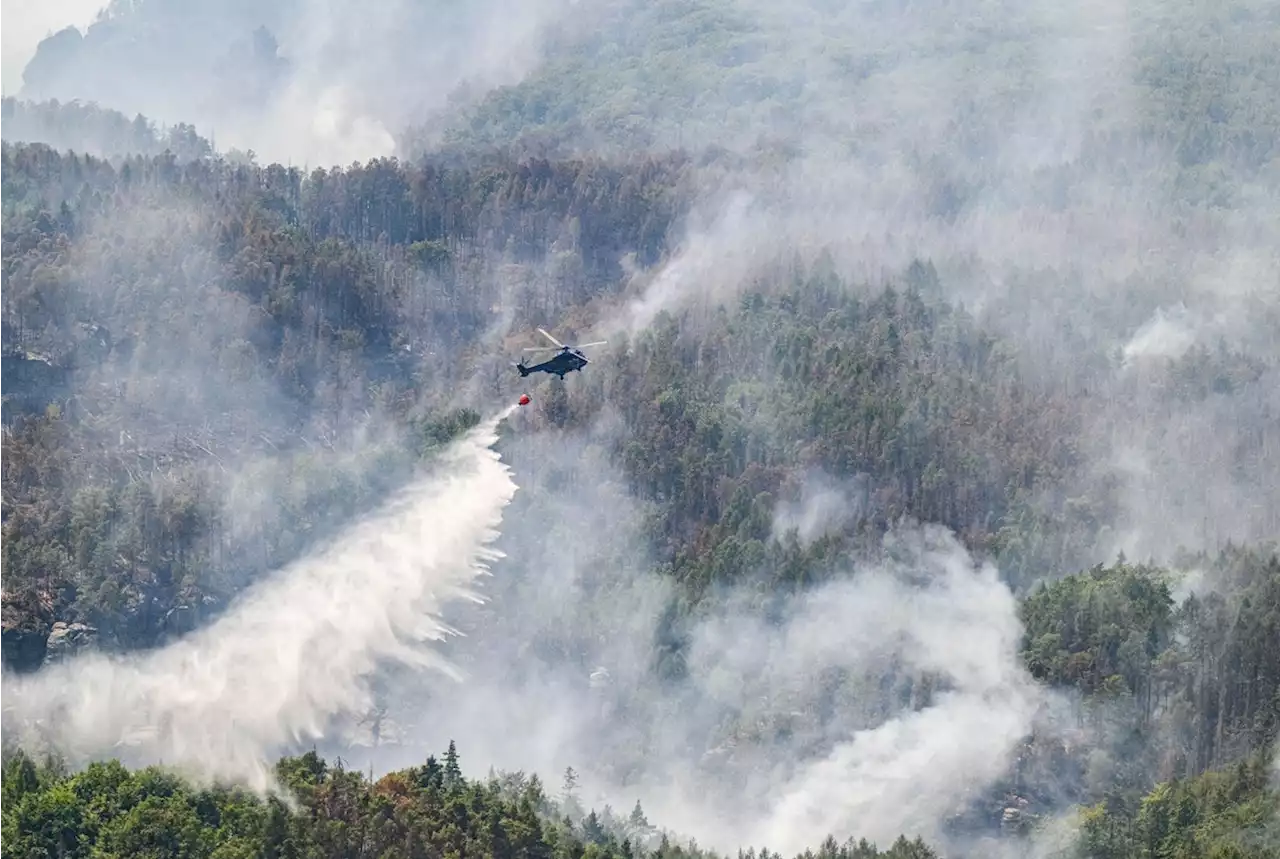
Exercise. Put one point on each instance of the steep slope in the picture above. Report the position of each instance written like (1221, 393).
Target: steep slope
(1003, 269)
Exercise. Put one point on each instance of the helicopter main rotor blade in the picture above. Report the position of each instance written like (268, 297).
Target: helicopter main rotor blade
(541, 349)
(559, 345)
(597, 343)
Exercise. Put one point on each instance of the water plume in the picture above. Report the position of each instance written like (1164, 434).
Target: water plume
(295, 652)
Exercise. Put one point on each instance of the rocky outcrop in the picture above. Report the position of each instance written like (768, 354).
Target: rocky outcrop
(1014, 818)
(31, 642)
(67, 639)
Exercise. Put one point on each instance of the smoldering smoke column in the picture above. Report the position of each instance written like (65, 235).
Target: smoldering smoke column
(295, 651)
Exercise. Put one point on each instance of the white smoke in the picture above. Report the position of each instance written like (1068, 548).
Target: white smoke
(945, 617)
(1167, 334)
(826, 505)
(296, 651)
(780, 729)
(335, 82)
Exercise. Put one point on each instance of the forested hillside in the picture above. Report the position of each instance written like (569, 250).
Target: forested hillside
(422, 811)
(924, 500)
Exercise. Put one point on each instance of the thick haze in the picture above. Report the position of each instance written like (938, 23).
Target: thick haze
(1007, 142)
(28, 22)
(297, 81)
(779, 732)
(1010, 150)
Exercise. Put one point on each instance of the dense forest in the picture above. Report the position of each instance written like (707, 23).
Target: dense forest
(922, 502)
(429, 810)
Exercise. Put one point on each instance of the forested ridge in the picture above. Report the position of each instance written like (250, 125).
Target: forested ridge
(215, 364)
(120, 540)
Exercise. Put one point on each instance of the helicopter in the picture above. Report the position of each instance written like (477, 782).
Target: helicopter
(567, 359)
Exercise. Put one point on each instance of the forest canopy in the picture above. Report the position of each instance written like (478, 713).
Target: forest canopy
(922, 501)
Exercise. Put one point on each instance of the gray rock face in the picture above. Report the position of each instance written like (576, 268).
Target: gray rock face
(66, 639)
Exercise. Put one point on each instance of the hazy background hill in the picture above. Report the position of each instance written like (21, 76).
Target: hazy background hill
(927, 485)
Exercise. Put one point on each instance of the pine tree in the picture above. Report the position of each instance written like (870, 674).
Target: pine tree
(535, 794)
(637, 819)
(452, 772)
(569, 795)
(592, 830)
(431, 775)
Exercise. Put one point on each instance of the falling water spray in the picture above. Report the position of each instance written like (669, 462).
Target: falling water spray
(293, 653)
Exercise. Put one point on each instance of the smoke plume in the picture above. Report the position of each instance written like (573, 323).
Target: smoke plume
(878, 702)
(298, 81)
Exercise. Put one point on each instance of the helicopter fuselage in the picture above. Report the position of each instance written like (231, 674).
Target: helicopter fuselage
(566, 360)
